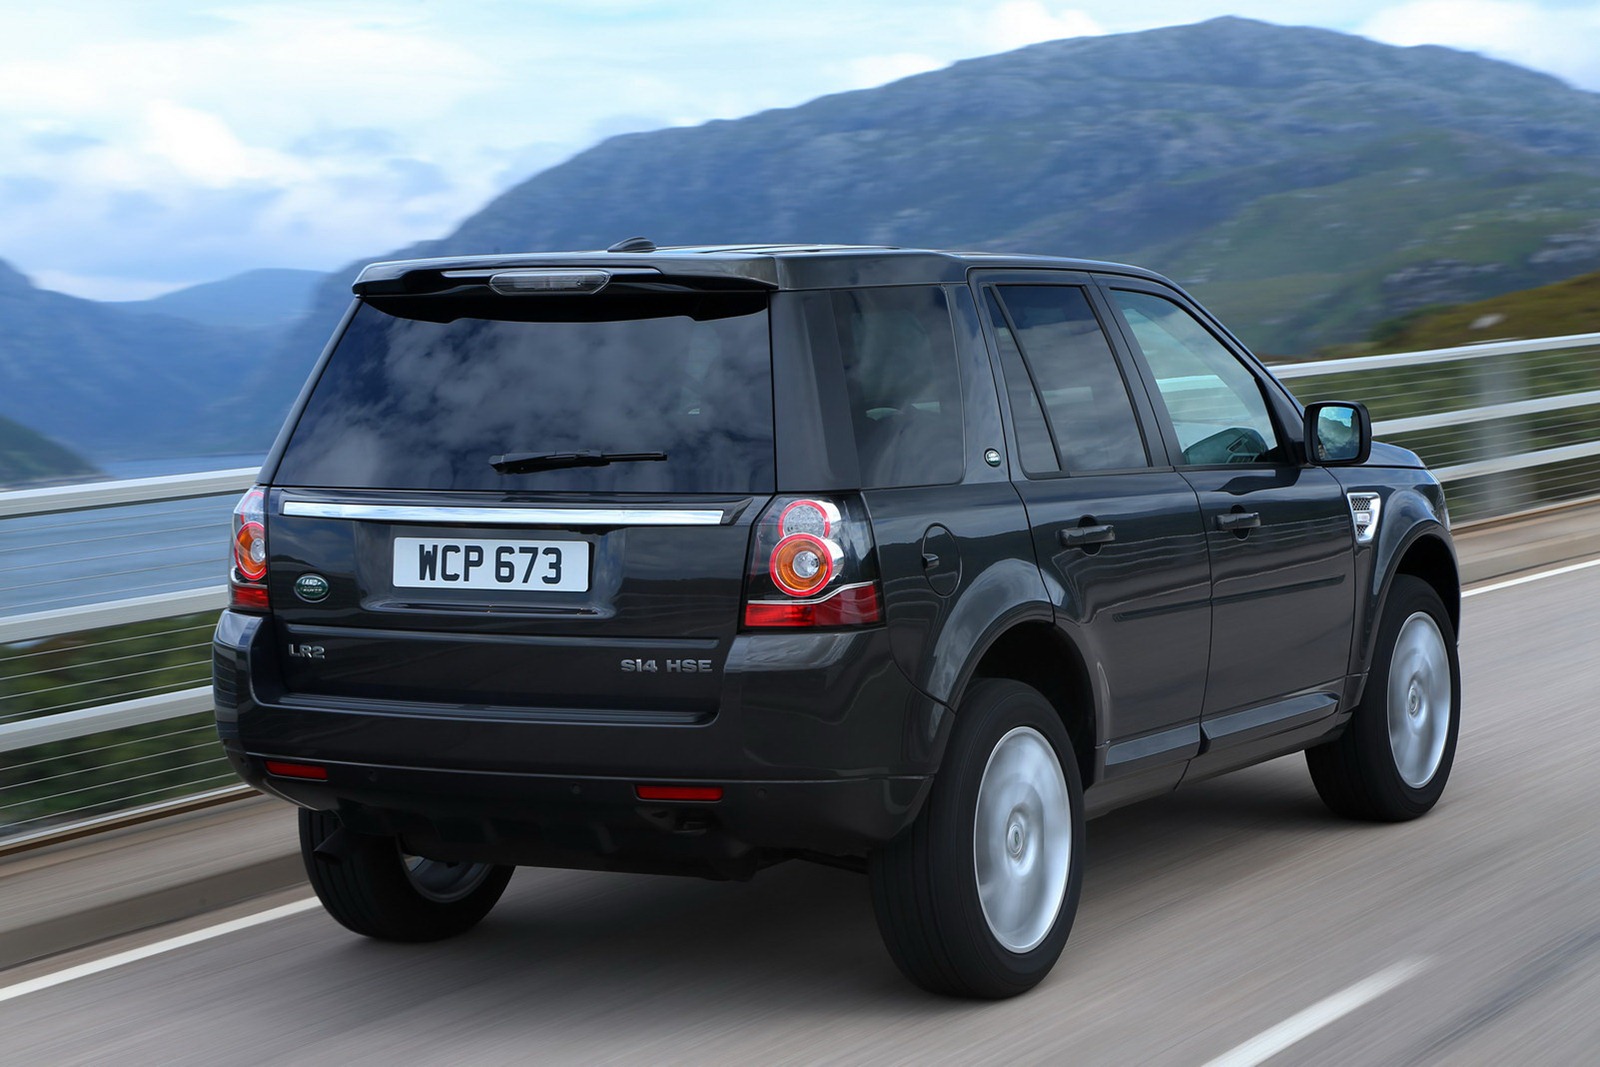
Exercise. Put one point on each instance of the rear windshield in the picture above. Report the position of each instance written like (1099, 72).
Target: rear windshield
(422, 393)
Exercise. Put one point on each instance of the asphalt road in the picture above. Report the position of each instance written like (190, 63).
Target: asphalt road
(1208, 918)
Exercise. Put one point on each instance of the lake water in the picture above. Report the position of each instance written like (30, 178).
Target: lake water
(54, 561)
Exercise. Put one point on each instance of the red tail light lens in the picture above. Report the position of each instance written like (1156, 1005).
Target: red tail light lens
(812, 564)
(854, 605)
(247, 578)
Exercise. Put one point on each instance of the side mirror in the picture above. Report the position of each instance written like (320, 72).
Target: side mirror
(1338, 433)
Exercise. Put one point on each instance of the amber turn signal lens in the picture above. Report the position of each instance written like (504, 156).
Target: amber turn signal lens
(802, 564)
(250, 551)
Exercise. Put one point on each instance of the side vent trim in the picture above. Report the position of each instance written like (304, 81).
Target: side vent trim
(1364, 511)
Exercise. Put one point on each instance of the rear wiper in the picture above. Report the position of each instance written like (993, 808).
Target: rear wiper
(528, 462)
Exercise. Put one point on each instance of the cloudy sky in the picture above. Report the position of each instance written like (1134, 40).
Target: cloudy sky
(146, 145)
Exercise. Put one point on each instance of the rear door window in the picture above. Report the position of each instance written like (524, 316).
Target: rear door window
(1069, 361)
(1037, 448)
(421, 393)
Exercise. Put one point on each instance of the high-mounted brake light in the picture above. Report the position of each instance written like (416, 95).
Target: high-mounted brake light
(812, 564)
(248, 575)
(522, 282)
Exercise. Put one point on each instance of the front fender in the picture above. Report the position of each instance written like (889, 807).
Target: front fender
(1411, 512)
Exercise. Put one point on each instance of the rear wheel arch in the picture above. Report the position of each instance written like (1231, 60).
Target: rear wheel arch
(1037, 654)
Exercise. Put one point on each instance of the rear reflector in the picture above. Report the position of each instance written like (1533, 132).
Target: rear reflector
(297, 770)
(249, 597)
(854, 605)
(678, 792)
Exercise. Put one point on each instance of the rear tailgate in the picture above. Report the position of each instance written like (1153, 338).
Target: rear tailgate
(539, 503)
(617, 611)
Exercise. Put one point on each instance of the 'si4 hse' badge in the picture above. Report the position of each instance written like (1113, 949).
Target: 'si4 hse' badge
(311, 587)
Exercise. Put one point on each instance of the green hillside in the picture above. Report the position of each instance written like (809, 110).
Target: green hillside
(26, 457)
(1567, 307)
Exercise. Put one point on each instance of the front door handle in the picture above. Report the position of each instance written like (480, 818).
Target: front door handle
(1236, 521)
(1077, 536)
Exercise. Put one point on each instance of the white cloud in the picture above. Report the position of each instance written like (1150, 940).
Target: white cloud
(202, 148)
(1023, 22)
(880, 70)
(1563, 41)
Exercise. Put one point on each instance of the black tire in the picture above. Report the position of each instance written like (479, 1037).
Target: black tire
(1359, 774)
(925, 883)
(364, 882)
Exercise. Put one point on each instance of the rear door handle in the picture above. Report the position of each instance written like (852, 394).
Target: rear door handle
(1239, 520)
(1076, 536)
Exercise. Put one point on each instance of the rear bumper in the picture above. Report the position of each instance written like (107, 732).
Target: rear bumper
(820, 743)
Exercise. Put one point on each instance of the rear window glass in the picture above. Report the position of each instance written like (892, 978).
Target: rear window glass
(422, 393)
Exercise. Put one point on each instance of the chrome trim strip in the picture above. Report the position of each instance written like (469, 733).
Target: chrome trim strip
(504, 516)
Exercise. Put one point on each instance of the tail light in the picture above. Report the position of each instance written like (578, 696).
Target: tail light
(812, 565)
(247, 578)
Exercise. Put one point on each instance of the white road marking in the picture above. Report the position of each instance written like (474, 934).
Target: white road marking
(83, 970)
(1269, 1043)
(1526, 578)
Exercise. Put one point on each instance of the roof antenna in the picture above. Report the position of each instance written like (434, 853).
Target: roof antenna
(634, 244)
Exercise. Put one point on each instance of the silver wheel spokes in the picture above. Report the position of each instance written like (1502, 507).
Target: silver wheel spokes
(1420, 705)
(441, 882)
(1022, 839)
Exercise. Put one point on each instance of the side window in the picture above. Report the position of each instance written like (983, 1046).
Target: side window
(905, 392)
(1086, 403)
(1033, 435)
(1214, 401)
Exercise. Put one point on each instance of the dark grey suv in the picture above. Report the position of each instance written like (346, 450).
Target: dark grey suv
(696, 560)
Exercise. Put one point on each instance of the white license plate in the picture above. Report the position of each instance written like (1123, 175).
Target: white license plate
(438, 563)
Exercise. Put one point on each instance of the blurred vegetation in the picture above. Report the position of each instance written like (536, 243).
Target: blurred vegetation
(81, 777)
(1557, 310)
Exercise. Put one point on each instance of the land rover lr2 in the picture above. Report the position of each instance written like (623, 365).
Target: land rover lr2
(695, 560)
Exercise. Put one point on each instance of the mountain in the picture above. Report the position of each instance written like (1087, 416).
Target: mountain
(117, 384)
(1306, 184)
(267, 297)
(27, 457)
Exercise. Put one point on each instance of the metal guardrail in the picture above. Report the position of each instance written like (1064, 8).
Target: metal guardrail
(89, 495)
(1456, 404)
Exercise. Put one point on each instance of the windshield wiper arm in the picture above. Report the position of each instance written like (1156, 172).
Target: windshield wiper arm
(528, 462)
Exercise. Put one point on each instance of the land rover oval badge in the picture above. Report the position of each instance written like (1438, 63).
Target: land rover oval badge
(311, 587)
